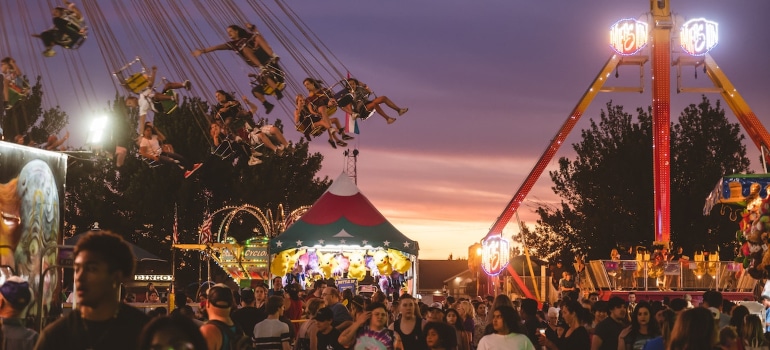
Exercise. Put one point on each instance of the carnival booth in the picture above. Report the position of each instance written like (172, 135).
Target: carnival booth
(344, 237)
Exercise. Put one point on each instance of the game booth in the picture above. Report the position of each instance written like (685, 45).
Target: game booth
(344, 237)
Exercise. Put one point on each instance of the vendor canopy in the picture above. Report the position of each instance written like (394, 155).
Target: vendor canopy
(343, 217)
(733, 189)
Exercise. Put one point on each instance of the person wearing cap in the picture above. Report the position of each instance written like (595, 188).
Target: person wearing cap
(607, 332)
(435, 313)
(103, 260)
(327, 337)
(765, 300)
(219, 328)
(272, 331)
(14, 298)
(249, 315)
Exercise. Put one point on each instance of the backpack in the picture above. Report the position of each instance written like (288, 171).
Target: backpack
(233, 340)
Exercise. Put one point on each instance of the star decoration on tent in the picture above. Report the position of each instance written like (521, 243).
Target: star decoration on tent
(279, 244)
(406, 244)
(342, 241)
(299, 243)
(321, 241)
(386, 243)
(364, 242)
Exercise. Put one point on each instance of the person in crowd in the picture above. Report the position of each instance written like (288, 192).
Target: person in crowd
(479, 323)
(318, 288)
(567, 285)
(600, 313)
(102, 261)
(694, 329)
(452, 318)
(467, 316)
(531, 323)
(153, 298)
(277, 285)
(249, 315)
(714, 299)
(631, 301)
(643, 328)
(356, 306)
(293, 305)
(557, 273)
(552, 323)
(575, 336)
(738, 320)
(497, 301)
(309, 327)
(68, 29)
(342, 319)
(272, 330)
(409, 324)
(220, 331)
(254, 49)
(15, 296)
(440, 336)
(361, 92)
(508, 332)
(668, 317)
(606, 333)
(435, 314)
(171, 332)
(728, 339)
(369, 331)
(326, 337)
(266, 133)
(753, 334)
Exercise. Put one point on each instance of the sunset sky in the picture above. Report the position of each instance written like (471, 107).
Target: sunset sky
(487, 84)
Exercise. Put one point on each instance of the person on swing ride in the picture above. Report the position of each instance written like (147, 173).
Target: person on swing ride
(148, 98)
(68, 29)
(360, 93)
(310, 121)
(150, 148)
(252, 47)
(12, 80)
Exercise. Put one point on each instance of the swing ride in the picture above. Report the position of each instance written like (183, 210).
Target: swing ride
(122, 36)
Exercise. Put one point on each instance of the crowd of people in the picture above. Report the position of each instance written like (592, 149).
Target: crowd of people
(285, 317)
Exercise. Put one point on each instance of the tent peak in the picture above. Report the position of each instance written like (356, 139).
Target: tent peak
(343, 186)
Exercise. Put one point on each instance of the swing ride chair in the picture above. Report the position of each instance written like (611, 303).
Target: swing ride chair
(136, 82)
(345, 97)
(66, 41)
(269, 71)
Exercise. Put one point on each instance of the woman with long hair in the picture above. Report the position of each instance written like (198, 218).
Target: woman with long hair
(509, 332)
(753, 334)
(440, 336)
(308, 328)
(738, 320)
(452, 318)
(467, 316)
(694, 329)
(643, 328)
(667, 319)
(575, 337)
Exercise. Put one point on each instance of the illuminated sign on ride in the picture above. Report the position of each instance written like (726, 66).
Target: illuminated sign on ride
(698, 36)
(628, 36)
(495, 254)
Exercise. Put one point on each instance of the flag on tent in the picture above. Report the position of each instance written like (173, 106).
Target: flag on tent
(205, 229)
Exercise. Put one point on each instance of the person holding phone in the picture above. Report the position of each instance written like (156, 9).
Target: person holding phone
(575, 335)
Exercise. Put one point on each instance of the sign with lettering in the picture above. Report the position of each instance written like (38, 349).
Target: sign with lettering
(698, 36)
(495, 255)
(628, 36)
(166, 278)
(629, 266)
(255, 254)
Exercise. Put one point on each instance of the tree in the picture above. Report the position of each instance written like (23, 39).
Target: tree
(607, 190)
(139, 202)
